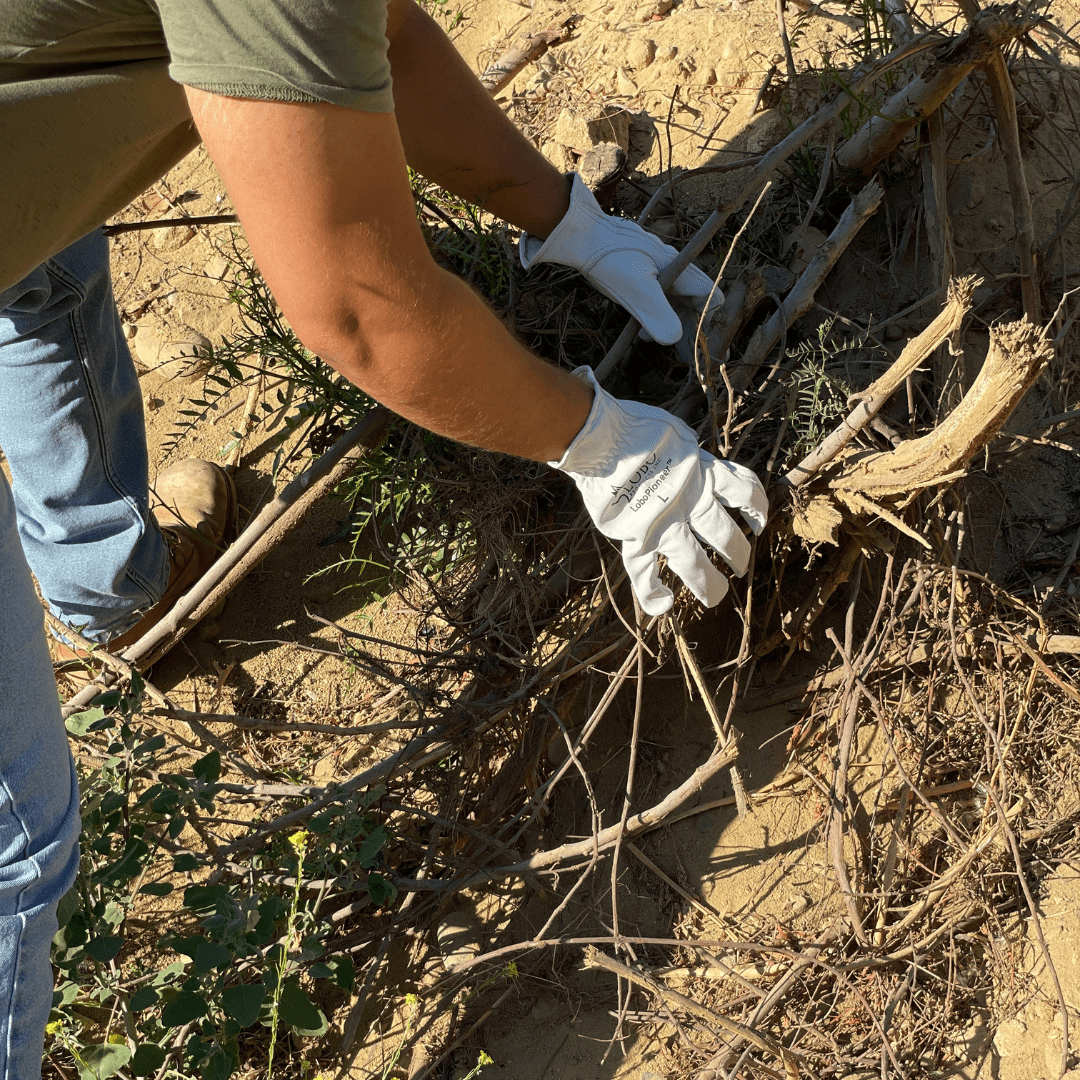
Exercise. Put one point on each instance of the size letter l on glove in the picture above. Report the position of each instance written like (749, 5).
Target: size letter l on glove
(646, 482)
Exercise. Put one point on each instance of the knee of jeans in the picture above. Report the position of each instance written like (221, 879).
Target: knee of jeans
(40, 858)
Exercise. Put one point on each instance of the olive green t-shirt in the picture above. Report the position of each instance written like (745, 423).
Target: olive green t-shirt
(91, 105)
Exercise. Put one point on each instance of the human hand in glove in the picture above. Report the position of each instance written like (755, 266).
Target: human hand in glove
(646, 482)
(623, 261)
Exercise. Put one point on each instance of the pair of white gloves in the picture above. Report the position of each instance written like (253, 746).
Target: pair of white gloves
(643, 477)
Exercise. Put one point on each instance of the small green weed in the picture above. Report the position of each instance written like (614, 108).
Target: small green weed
(250, 950)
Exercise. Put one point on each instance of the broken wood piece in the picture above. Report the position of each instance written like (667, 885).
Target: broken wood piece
(918, 350)
(862, 77)
(527, 50)
(601, 168)
(801, 297)
(1017, 354)
(953, 62)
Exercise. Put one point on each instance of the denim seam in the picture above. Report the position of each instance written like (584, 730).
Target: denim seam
(92, 395)
(20, 915)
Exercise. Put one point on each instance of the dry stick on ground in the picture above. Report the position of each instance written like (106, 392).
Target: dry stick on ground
(786, 42)
(942, 254)
(1008, 133)
(628, 795)
(637, 823)
(801, 297)
(262, 534)
(168, 223)
(527, 50)
(953, 62)
(861, 78)
(918, 350)
(596, 959)
(1017, 355)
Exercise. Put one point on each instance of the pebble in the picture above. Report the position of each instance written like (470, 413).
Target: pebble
(653, 9)
(318, 592)
(130, 330)
(640, 53)
(894, 332)
(151, 403)
(458, 937)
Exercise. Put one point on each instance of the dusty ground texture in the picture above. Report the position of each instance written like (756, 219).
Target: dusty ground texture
(682, 85)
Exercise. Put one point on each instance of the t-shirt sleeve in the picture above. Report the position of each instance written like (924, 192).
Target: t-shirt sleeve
(282, 50)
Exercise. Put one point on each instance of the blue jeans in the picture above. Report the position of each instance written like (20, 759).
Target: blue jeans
(71, 426)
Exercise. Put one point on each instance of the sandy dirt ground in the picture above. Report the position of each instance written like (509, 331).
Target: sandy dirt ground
(682, 81)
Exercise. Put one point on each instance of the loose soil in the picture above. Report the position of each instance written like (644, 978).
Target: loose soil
(681, 82)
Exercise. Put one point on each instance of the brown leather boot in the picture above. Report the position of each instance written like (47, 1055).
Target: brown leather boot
(194, 504)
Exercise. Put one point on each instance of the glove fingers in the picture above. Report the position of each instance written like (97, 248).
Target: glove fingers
(738, 489)
(654, 597)
(696, 284)
(687, 558)
(715, 526)
(632, 283)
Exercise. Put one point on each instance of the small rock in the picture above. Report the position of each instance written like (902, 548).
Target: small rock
(458, 937)
(1009, 1037)
(172, 239)
(653, 8)
(640, 53)
(666, 53)
(151, 403)
(894, 332)
(624, 85)
(216, 267)
(800, 903)
(558, 155)
(318, 592)
(667, 228)
(130, 330)
(805, 248)
(704, 76)
(993, 224)
(181, 358)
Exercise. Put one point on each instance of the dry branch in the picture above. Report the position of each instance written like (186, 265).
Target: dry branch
(1008, 134)
(1017, 355)
(862, 77)
(527, 50)
(801, 297)
(953, 62)
(596, 959)
(918, 350)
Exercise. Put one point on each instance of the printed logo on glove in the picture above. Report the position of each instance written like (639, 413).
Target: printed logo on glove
(647, 483)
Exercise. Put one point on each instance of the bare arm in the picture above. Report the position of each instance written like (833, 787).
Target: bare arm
(323, 194)
(455, 134)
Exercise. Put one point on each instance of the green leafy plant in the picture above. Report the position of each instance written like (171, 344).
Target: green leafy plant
(816, 397)
(247, 952)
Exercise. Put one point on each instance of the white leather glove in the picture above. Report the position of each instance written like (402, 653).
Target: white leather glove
(621, 260)
(645, 481)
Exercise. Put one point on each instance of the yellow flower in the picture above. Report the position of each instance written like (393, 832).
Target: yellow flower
(117, 1040)
(411, 999)
(511, 970)
(485, 1059)
(53, 1027)
(299, 841)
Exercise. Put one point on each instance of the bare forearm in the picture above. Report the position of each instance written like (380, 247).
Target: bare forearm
(455, 134)
(453, 368)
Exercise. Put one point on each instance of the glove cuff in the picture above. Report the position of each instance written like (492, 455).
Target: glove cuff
(569, 462)
(560, 246)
